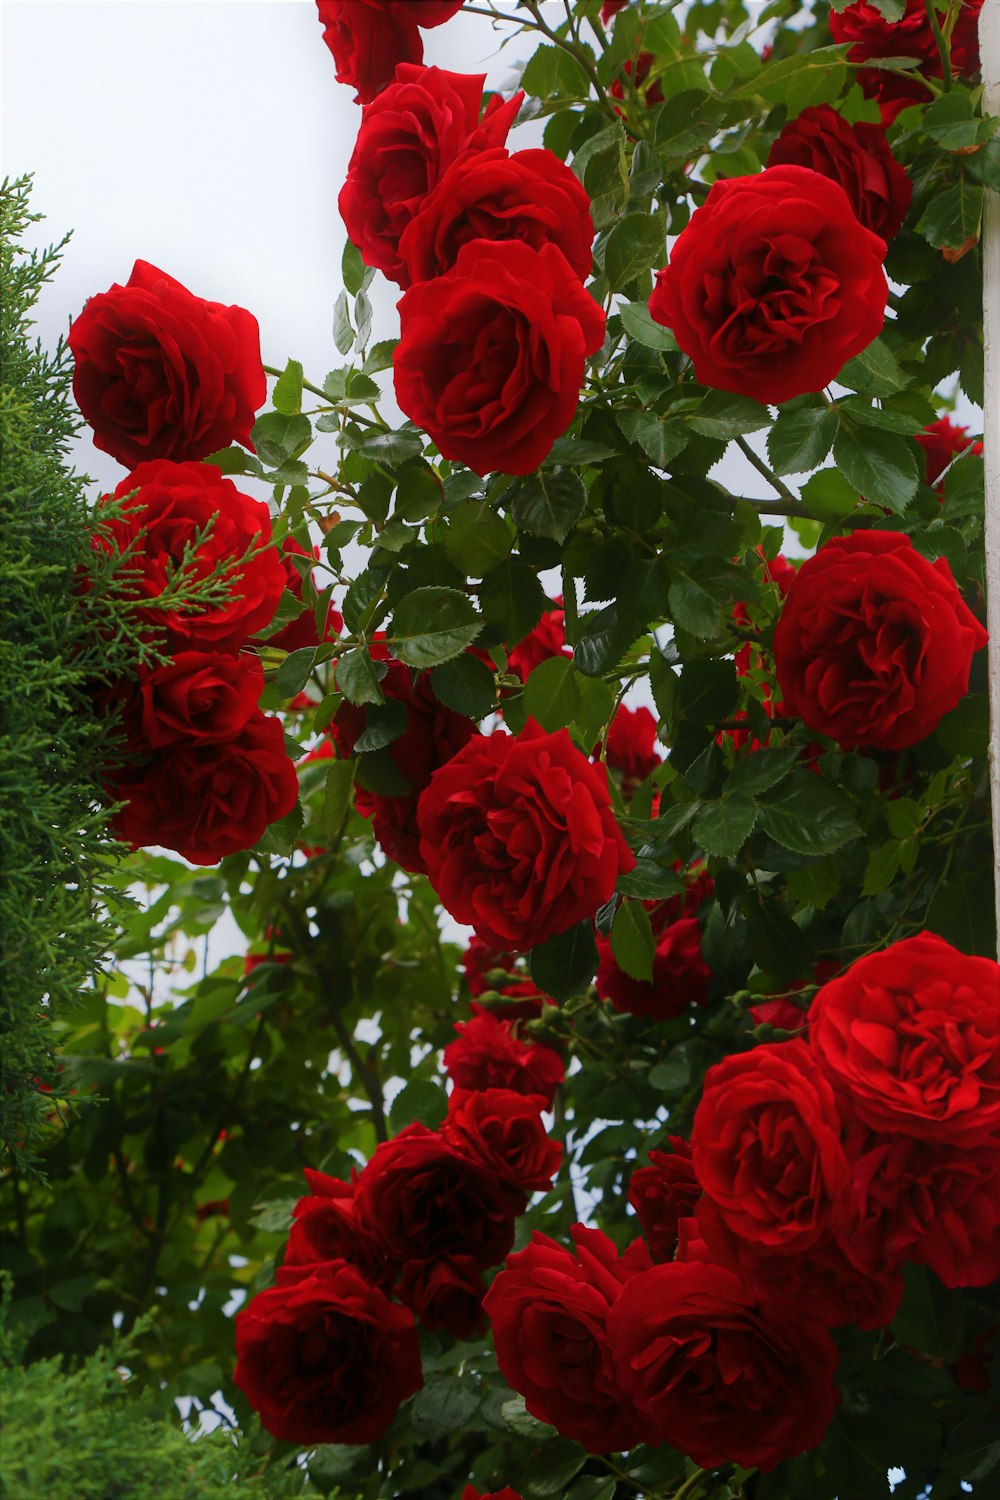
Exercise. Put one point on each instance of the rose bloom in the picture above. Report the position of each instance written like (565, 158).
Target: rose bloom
(487, 1055)
(504, 1130)
(549, 1313)
(427, 1199)
(298, 634)
(874, 37)
(433, 734)
(328, 1225)
(543, 641)
(942, 442)
(529, 196)
(519, 837)
(766, 1147)
(631, 747)
(408, 139)
(207, 800)
(664, 1193)
(445, 1293)
(910, 1037)
(681, 977)
(324, 1357)
(773, 285)
(718, 1373)
(649, 93)
(161, 373)
(369, 38)
(874, 643)
(198, 696)
(611, 8)
(470, 1492)
(491, 355)
(192, 506)
(857, 157)
(781, 1013)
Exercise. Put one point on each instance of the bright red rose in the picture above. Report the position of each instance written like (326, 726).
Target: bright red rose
(181, 507)
(480, 960)
(856, 156)
(519, 837)
(445, 1293)
(549, 1313)
(781, 1013)
(492, 195)
(638, 72)
(766, 1147)
(503, 1130)
(631, 748)
(773, 285)
(487, 1055)
(161, 373)
(874, 37)
(369, 38)
(327, 1225)
(663, 1194)
(910, 1037)
(942, 442)
(197, 697)
(433, 734)
(408, 139)
(681, 976)
(874, 643)
(543, 641)
(491, 355)
(426, 1200)
(298, 634)
(471, 1493)
(206, 800)
(324, 1357)
(718, 1373)
(611, 8)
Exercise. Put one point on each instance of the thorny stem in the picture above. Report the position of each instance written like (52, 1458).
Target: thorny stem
(944, 50)
(778, 485)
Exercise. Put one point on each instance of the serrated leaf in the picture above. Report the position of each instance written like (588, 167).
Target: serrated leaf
(800, 440)
(659, 440)
(337, 795)
(564, 965)
(293, 674)
(512, 598)
(476, 539)
(343, 333)
(384, 722)
(430, 625)
(601, 642)
(694, 609)
(390, 448)
(761, 770)
(881, 869)
(722, 415)
(632, 941)
(352, 268)
(379, 357)
(829, 495)
(516, 1416)
(421, 1101)
(880, 465)
(723, 827)
(954, 215)
(874, 370)
(552, 694)
(277, 437)
(636, 244)
(548, 503)
(808, 815)
(641, 326)
(287, 394)
(466, 685)
(281, 837)
(358, 677)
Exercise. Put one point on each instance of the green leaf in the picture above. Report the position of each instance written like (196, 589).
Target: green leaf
(694, 609)
(953, 216)
(391, 448)
(551, 72)
(593, 1487)
(358, 678)
(512, 598)
(465, 684)
(384, 722)
(293, 674)
(564, 965)
(801, 80)
(632, 941)
(723, 827)
(722, 415)
(516, 1416)
(431, 625)
(951, 121)
(707, 691)
(343, 332)
(379, 357)
(641, 326)
(421, 1101)
(337, 795)
(931, 1317)
(548, 503)
(816, 884)
(443, 1406)
(353, 269)
(476, 538)
(552, 693)
(602, 641)
(761, 770)
(672, 1075)
(281, 837)
(800, 440)
(552, 1468)
(808, 815)
(881, 870)
(277, 437)
(875, 370)
(287, 395)
(649, 881)
(636, 244)
(829, 495)
(880, 465)
(659, 440)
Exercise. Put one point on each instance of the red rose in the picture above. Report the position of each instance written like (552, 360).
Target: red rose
(368, 38)
(663, 1194)
(773, 285)
(445, 1293)
(491, 195)
(183, 509)
(681, 976)
(433, 734)
(326, 1358)
(911, 36)
(874, 643)
(611, 8)
(781, 1013)
(408, 139)
(298, 634)
(631, 747)
(206, 800)
(856, 156)
(470, 1492)
(549, 1313)
(503, 1130)
(718, 1373)
(519, 836)
(638, 72)
(327, 1225)
(911, 1038)
(198, 696)
(545, 640)
(942, 442)
(426, 1199)
(161, 373)
(491, 355)
(487, 1055)
(766, 1147)
(480, 960)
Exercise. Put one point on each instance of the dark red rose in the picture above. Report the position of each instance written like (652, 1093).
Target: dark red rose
(445, 1293)
(492, 195)
(544, 640)
(611, 8)
(181, 508)
(631, 747)
(874, 37)
(942, 442)
(856, 156)
(197, 697)
(298, 634)
(874, 643)
(681, 976)
(208, 800)
(327, 1225)
(369, 38)
(718, 1373)
(773, 285)
(503, 1130)
(663, 1194)
(470, 1492)
(521, 993)
(766, 1147)
(428, 1200)
(487, 1055)
(911, 1038)
(324, 1357)
(433, 734)
(408, 139)
(491, 355)
(161, 373)
(638, 72)
(549, 1313)
(519, 837)
(781, 1013)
